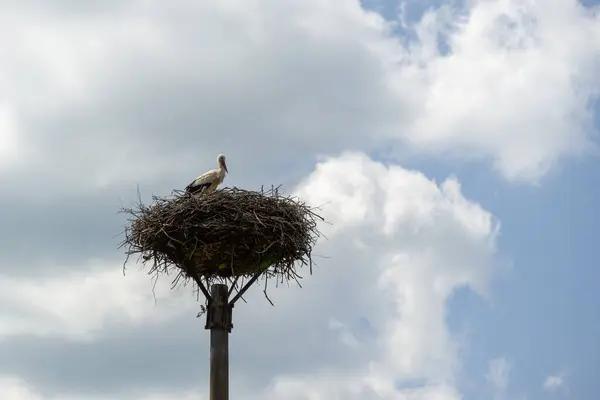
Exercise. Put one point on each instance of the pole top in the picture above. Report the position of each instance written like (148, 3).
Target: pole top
(219, 290)
(218, 313)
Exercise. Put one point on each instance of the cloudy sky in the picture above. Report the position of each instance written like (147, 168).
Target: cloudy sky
(452, 144)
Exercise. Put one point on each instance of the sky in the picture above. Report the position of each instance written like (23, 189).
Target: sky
(451, 145)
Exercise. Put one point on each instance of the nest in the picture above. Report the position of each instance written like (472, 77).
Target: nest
(227, 234)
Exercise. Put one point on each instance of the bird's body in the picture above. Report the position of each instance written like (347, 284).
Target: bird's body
(208, 181)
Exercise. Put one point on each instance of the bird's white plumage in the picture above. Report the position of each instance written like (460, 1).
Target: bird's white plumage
(208, 181)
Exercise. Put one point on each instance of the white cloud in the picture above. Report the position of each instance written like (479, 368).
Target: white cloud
(14, 388)
(555, 382)
(499, 374)
(515, 86)
(399, 246)
(9, 137)
(135, 92)
(81, 304)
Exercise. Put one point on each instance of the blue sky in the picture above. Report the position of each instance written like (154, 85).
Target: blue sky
(416, 149)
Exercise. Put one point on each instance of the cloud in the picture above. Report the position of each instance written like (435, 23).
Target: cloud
(515, 85)
(136, 93)
(499, 374)
(13, 388)
(126, 111)
(79, 305)
(40, 235)
(9, 138)
(368, 323)
(110, 95)
(555, 382)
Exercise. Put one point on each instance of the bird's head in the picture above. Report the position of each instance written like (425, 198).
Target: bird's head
(221, 161)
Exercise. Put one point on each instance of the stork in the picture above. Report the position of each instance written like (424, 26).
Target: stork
(208, 181)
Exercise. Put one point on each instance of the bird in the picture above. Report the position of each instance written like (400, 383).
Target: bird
(208, 181)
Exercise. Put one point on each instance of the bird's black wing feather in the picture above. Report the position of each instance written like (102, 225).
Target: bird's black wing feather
(191, 188)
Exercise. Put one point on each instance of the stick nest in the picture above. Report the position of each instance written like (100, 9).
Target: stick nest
(229, 233)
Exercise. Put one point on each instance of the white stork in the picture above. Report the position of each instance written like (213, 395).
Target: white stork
(208, 181)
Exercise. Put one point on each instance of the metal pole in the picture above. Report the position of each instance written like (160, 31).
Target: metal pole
(218, 320)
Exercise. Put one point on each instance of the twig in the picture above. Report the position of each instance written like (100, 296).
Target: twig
(226, 235)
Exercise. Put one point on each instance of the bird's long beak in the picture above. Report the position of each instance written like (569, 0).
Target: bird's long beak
(225, 166)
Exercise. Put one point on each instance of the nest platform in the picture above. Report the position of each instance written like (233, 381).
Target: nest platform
(229, 233)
